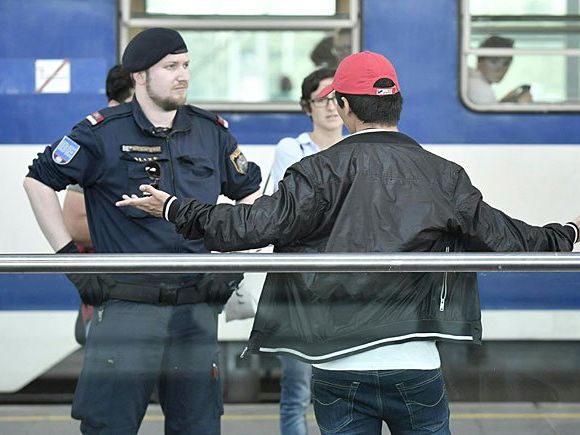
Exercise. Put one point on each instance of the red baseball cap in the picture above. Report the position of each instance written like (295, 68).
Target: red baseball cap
(358, 73)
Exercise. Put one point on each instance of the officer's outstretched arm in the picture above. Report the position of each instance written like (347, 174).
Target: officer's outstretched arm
(48, 213)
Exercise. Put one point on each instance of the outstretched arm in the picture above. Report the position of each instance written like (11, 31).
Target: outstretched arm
(291, 214)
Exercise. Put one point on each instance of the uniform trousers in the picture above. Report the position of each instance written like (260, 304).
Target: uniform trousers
(131, 347)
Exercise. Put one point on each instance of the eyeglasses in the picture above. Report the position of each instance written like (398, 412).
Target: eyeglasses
(322, 102)
(153, 171)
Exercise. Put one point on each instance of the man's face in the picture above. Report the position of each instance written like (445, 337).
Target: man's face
(323, 110)
(167, 81)
(494, 68)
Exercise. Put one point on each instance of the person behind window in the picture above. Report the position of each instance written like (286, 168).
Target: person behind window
(332, 49)
(490, 70)
(284, 90)
(326, 131)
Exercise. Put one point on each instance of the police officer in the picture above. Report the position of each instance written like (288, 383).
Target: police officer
(153, 329)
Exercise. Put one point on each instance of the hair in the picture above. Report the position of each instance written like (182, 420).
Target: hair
(119, 85)
(383, 109)
(311, 83)
(495, 41)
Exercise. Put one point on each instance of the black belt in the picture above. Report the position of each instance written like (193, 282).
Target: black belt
(157, 295)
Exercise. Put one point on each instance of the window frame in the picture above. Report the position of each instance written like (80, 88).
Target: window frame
(246, 23)
(465, 51)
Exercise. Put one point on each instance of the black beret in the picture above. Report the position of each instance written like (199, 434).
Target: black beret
(150, 46)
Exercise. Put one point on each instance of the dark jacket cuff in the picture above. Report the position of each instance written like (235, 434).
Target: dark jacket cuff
(171, 208)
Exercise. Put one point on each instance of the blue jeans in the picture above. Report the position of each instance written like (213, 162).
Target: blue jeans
(295, 396)
(411, 402)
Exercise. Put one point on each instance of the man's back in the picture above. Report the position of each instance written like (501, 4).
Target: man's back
(387, 186)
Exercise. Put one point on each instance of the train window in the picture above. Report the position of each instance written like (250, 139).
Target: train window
(521, 55)
(251, 55)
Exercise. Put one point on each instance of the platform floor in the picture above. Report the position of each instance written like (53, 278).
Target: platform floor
(466, 418)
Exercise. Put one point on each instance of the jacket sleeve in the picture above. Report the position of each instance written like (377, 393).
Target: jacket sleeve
(291, 214)
(485, 228)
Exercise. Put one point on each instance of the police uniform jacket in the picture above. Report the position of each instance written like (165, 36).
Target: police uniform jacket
(371, 192)
(107, 153)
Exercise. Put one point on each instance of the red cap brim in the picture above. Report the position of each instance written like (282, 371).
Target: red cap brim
(327, 90)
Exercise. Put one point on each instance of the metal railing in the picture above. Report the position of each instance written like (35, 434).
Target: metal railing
(257, 262)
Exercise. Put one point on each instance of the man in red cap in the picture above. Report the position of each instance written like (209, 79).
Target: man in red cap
(370, 336)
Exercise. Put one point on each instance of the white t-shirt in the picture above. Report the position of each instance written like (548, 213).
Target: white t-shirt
(479, 90)
(414, 355)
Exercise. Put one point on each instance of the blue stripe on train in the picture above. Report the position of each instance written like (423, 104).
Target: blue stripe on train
(498, 291)
(37, 292)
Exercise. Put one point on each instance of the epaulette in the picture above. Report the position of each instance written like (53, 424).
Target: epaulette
(209, 115)
(108, 113)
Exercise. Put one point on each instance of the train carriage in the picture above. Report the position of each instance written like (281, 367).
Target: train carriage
(248, 59)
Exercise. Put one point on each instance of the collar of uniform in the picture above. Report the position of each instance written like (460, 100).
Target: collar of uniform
(180, 122)
(379, 136)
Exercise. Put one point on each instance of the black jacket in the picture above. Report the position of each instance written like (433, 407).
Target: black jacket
(371, 192)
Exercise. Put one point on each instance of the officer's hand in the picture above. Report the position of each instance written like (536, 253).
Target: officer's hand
(152, 203)
(93, 288)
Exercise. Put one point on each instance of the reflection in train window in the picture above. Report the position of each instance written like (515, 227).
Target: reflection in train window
(252, 54)
(253, 66)
(521, 55)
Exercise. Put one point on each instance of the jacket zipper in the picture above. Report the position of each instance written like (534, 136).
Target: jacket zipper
(443, 295)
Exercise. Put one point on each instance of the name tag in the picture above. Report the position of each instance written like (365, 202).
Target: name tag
(141, 149)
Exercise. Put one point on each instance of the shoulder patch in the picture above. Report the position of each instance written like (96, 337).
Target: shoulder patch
(209, 115)
(95, 117)
(239, 161)
(222, 121)
(65, 151)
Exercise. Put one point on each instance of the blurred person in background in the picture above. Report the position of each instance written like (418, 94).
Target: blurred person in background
(326, 131)
(119, 89)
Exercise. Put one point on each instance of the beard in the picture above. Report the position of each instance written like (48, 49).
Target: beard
(166, 103)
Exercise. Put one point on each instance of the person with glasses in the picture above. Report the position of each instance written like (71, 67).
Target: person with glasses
(326, 131)
(149, 329)
(490, 70)
(371, 337)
